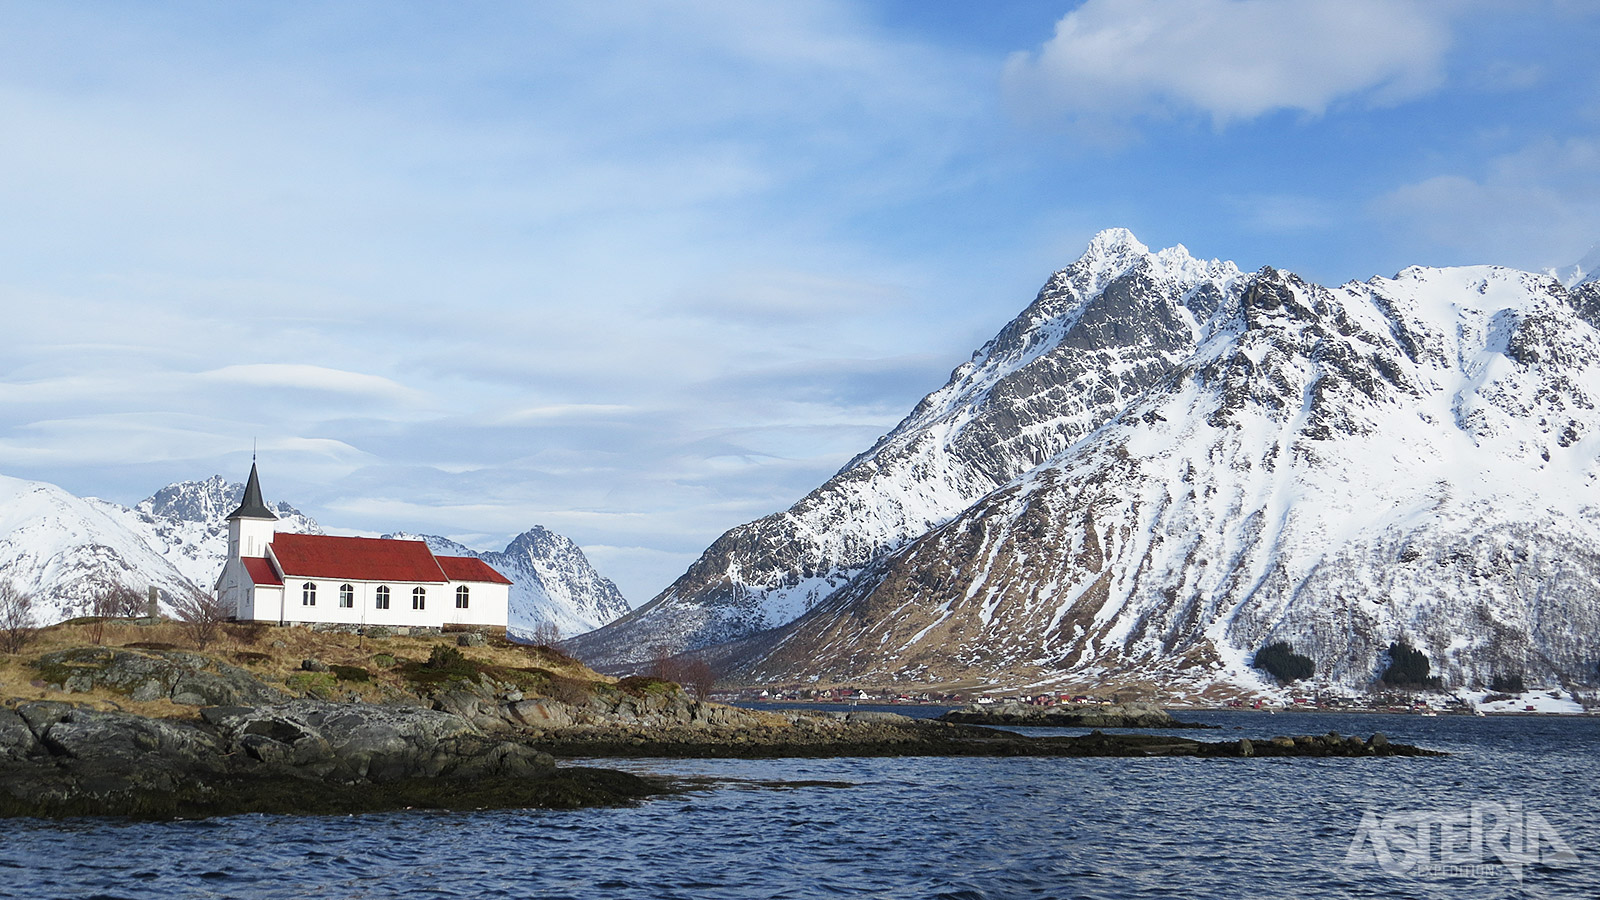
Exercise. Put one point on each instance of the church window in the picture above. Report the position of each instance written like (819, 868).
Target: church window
(419, 598)
(347, 596)
(308, 594)
(461, 597)
(383, 597)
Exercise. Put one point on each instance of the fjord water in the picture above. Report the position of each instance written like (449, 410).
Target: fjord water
(906, 828)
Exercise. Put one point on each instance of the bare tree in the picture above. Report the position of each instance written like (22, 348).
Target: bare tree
(16, 617)
(546, 634)
(114, 601)
(202, 615)
(691, 672)
(127, 603)
(698, 677)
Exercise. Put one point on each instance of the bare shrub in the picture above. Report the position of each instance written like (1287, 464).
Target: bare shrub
(127, 603)
(546, 634)
(115, 601)
(246, 634)
(16, 617)
(571, 691)
(698, 677)
(201, 615)
(691, 672)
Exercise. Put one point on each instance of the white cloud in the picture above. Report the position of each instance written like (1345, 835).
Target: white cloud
(312, 378)
(543, 263)
(1112, 62)
(1536, 208)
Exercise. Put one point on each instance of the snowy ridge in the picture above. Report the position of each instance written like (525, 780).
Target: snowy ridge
(552, 582)
(1584, 271)
(65, 550)
(1411, 458)
(187, 523)
(1099, 334)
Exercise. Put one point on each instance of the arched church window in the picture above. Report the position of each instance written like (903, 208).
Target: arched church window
(308, 594)
(383, 597)
(347, 596)
(419, 598)
(462, 597)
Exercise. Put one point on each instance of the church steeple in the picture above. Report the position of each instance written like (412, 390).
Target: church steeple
(252, 506)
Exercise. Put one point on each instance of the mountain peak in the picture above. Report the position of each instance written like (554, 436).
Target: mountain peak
(1110, 253)
(1583, 271)
(1114, 241)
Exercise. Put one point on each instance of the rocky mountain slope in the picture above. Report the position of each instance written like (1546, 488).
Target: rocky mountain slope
(65, 550)
(553, 583)
(1223, 460)
(187, 523)
(1407, 458)
(1100, 334)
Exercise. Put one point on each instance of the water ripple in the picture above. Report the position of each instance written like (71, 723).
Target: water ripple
(969, 829)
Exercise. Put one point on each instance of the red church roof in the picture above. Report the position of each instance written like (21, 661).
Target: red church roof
(356, 558)
(261, 571)
(470, 568)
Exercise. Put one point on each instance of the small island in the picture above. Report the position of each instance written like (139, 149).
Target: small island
(1068, 715)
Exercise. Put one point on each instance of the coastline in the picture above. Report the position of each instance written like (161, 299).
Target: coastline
(149, 730)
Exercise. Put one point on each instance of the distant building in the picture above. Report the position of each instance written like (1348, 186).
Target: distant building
(297, 578)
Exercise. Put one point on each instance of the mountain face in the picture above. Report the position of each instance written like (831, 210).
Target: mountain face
(1407, 458)
(65, 550)
(1227, 460)
(187, 523)
(552, 582)
(1100, 334)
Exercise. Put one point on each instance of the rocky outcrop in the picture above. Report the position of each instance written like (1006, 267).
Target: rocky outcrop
(144, 675)
(501, 708)
(376, 742)
(1115, 715)
(300, 756)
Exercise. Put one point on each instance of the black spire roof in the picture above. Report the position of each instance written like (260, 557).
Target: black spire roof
(252, 506)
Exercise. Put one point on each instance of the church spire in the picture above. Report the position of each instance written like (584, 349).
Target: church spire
(252, 506)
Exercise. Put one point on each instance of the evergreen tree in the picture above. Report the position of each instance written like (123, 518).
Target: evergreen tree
(1281, 662)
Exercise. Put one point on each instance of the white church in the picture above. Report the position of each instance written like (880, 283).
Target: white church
(291, 579)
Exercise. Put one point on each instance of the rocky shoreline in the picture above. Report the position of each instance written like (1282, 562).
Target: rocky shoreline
(303, 756)
(1068, 715)
(458, 734)
(829, 735)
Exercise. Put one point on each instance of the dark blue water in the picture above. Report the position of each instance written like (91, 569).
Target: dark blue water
(912, 828)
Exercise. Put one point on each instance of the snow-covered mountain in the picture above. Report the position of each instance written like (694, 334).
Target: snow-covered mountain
(187, 523)
(1584, 271)
(1234, 460)
(1100, 334)
(552, 582)
(65, 550)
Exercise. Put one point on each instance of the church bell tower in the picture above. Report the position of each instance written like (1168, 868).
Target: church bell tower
(251, 526)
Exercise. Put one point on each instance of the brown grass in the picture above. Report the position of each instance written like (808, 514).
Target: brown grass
(253, 649)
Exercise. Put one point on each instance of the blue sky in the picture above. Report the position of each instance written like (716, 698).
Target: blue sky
(640, 272)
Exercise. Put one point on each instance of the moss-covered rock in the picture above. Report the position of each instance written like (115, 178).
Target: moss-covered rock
(145, 675)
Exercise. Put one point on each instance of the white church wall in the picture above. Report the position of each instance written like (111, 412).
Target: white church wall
(489, 604)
